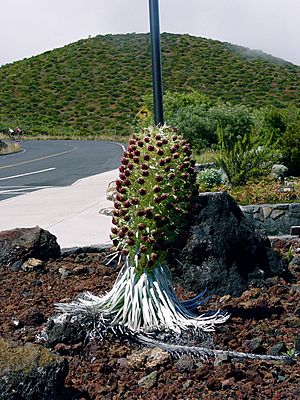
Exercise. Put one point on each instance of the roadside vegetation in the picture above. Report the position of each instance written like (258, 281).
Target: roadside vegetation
(9, 147)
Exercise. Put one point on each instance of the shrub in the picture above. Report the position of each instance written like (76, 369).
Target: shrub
(290, 147)
(246, 158)
(209, 177)
(278, 170)
(199, 123)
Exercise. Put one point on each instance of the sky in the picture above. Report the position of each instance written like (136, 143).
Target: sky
(30, 27)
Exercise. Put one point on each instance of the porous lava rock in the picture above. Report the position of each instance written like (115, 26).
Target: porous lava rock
(224, 252)
(30, 372)
(20, 244)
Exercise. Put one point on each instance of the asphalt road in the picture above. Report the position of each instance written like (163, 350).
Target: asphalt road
(55, 163)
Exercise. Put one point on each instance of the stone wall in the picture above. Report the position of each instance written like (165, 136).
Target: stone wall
(275, 219)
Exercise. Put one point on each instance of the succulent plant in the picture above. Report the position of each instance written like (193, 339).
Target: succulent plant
(156, 187)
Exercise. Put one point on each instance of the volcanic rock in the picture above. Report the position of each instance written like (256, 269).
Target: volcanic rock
(224, 252)
(20, 244)
(30, 373)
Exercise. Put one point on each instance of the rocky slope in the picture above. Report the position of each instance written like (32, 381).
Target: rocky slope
(264, 319)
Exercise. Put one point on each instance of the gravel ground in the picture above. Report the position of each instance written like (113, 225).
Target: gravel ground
(263, 320)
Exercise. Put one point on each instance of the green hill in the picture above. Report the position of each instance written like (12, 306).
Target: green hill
(94, 86)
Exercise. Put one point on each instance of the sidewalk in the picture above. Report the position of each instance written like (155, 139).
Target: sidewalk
(70, 213)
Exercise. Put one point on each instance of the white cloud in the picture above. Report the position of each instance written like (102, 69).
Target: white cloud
(29, 27)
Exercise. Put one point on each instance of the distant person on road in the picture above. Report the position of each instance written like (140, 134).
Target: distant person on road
(19, 132)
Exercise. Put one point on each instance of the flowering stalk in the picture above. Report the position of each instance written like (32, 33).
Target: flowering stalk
(155, 190)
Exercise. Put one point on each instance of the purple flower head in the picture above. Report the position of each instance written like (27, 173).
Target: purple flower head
(121, 190)
(149, 213)
(143, 249)
(142, 191)
(124, 161)
(126, 182)
(130, 241)
(127, 204)
(141, 181)
(114, 221)
(117, 205)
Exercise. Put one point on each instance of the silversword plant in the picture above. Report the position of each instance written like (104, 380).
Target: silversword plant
(155, 191)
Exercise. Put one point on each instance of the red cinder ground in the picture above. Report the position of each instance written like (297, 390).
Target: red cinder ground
(261, 318)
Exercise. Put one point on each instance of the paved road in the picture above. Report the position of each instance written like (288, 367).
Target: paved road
(55, 163)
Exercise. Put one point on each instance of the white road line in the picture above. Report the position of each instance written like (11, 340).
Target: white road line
(40, 158)
(120, 144)
(27, 173)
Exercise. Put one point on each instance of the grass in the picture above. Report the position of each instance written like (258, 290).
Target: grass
(264, 191)
(9, 147)
(206, 156)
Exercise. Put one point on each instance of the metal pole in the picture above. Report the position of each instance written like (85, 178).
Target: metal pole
(156, 63)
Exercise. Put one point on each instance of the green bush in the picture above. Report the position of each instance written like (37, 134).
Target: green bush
(209, 177)
(290, 147)
(198, 123)
(248, 157)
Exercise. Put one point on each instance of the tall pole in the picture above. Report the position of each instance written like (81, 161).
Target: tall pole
(156, 63)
